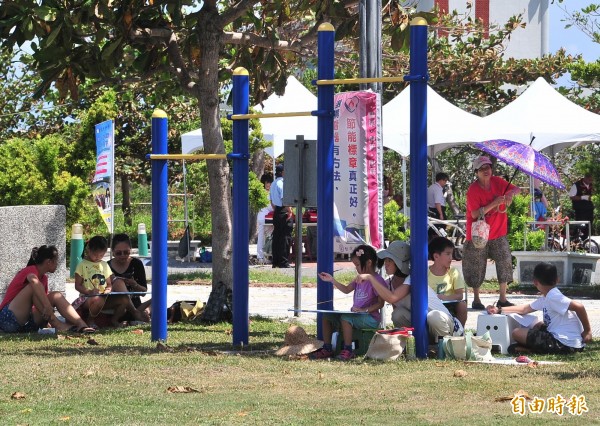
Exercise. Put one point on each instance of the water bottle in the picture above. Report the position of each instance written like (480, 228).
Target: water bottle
(411, 353)
(440, 350)
(47, 331)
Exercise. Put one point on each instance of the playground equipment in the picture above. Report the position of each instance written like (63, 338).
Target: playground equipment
(324, 113)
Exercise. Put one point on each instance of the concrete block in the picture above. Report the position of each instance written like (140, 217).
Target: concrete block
(25, 227)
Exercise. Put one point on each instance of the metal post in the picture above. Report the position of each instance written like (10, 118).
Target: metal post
(241, 321)
(76, 247)
(325, 170)
(300, 146)
(159, 226)
(418, 183)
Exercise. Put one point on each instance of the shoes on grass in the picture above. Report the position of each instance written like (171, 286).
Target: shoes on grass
(346, 355)
(477, 305)
(320, 354)
(504, 304)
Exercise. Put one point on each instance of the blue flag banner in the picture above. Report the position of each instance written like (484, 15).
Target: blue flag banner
(103, 182)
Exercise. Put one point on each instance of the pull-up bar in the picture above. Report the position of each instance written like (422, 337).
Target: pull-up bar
(271, 115)
(361, 80)
(187, 156)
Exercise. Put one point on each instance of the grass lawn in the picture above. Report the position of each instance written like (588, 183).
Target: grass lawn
(124, 379)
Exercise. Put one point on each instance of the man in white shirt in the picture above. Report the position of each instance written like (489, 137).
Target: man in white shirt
(436, 202)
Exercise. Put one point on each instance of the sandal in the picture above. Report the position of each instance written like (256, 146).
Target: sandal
(478, 306)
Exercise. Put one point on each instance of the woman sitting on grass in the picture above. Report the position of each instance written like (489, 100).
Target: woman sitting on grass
(92, 280)
(366, 299)
(27, 305)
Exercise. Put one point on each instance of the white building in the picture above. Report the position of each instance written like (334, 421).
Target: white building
(529, 42)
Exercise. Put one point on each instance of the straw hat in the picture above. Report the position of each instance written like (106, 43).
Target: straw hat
(297, 342)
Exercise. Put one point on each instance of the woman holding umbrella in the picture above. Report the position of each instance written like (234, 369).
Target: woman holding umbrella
(489, 196)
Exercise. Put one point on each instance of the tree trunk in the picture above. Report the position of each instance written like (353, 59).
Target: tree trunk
(218, 170)
(126, 206)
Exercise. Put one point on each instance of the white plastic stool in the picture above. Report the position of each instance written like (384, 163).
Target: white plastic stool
(500, 328)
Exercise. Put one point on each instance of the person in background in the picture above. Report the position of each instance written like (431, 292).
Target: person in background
(388, 189)
(131, 271)
(540, 207)
(488, 197)
(27, 306)
(436, 202)
(581, 197)
(283, 222)
(565, 328)
(267, 180)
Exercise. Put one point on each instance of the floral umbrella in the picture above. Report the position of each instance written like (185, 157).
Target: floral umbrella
(524, 158)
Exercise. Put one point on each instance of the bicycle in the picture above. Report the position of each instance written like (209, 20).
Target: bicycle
(454, 230)
(579, 241)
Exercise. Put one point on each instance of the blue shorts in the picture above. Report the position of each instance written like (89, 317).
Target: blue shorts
(9, 323)
(359, 321)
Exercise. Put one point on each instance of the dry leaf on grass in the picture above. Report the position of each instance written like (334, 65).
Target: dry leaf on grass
(92, 342)
(137, 331)
(181, 389)
(460, 373)
(243, 413)
(18, 395)
(520, 392)
(229, 332)
(321, 376)
(88, 373)
(64, 419)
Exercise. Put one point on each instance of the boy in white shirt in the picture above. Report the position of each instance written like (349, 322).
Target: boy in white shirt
(565, 328)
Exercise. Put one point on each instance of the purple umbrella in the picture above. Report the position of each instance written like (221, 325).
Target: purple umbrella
(524, 158)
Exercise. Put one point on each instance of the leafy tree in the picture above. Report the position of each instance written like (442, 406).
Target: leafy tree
(34, 172)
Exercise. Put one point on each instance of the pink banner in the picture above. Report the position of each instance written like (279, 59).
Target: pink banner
(358, 159)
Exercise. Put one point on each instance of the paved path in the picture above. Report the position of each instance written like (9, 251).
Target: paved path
(274, 302)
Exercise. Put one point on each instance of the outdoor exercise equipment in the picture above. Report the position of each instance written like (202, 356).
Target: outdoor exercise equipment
(324, 113)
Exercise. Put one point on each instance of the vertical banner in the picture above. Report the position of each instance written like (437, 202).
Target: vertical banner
(358, 171)
(103, 182)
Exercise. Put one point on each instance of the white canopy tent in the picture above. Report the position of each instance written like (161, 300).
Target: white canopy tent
(447, 124)
(297, 98)
(541, 112)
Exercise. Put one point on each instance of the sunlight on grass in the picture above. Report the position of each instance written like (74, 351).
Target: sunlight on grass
(124, 379)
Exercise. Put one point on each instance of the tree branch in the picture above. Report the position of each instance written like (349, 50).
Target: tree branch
(235, 11)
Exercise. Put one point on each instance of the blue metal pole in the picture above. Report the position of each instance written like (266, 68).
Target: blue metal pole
(418, 182)
(241, 322)
(160, 125)
(325, 169)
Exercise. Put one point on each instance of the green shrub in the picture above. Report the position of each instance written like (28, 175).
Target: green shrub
(395, 225)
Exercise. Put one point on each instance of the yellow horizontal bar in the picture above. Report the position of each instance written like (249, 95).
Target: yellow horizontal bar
(188, 156)
(360, 80)
(271, 115)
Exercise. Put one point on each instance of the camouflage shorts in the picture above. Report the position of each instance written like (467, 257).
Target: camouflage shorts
(541, 341)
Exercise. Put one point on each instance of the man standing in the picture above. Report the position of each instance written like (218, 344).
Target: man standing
(283, 223)
(436, 202)
(581, 194)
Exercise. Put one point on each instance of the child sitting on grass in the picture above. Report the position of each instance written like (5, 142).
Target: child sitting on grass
(366, 299)
(93, 282)
(565, 328)
(445, 279)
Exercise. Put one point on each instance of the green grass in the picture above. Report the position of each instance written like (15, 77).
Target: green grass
(266, 276)
(124, 380)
